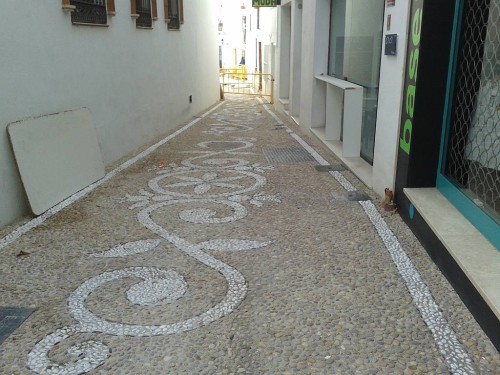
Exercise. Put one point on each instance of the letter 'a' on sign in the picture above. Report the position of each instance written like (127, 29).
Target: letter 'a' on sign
(265, 3)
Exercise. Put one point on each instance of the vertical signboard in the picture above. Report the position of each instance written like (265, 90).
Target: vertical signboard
(410, 84)
(426, 72)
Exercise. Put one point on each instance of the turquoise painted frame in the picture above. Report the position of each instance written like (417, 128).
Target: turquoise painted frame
(485, 224)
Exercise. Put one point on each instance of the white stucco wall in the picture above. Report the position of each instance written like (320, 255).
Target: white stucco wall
(314, 61)
(295, 57)
(267, 36)
(282, 73)
(390, 100)
(135, 82)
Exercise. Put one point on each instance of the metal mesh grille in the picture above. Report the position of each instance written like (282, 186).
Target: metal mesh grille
(10, 319)
(287, 155)
(89, 11)
(473, 154)
(143, 9)
(173, 15)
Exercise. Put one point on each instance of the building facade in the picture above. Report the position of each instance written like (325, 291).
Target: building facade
(134, 64)
(327, 73)
(247, 40)
(406, 94)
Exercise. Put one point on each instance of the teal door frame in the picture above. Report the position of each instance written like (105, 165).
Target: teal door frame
(482, 221)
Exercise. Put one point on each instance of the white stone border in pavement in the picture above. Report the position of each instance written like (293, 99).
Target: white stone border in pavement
(32, 224)
(457, 359)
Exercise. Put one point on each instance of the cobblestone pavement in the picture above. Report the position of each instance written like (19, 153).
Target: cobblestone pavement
(226, 252)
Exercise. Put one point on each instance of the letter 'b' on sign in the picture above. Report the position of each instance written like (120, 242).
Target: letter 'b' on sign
(405, 141)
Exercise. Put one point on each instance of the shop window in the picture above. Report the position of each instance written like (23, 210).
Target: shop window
(174, 14)
(470, 174)
(93, 12)
(354, 56)
(145, 12)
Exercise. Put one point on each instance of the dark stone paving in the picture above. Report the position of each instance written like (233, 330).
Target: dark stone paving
(206, 255)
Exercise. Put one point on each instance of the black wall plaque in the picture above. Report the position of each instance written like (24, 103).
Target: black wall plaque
(391, 41)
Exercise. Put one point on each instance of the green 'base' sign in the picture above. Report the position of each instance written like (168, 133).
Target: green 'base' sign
(265, 3)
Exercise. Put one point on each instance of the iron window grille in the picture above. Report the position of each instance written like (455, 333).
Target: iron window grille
(143, 9)
(173, 15)
(174, 23)
(89, 11)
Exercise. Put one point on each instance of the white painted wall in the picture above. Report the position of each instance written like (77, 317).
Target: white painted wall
(135, 82)
(295, 57)
(283, 52)
(267, 31)
(315, 38)
(390, 100)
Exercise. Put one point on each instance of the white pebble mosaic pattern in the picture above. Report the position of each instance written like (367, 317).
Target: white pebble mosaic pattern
(92, 354)
(130, 248)
(203, 174)
(457, 359)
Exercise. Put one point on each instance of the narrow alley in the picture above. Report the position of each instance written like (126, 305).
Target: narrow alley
(235, 245)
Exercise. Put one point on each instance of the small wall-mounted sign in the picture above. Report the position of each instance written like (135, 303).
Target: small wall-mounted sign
(391, 44)
(265, 3)
(390, 3)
